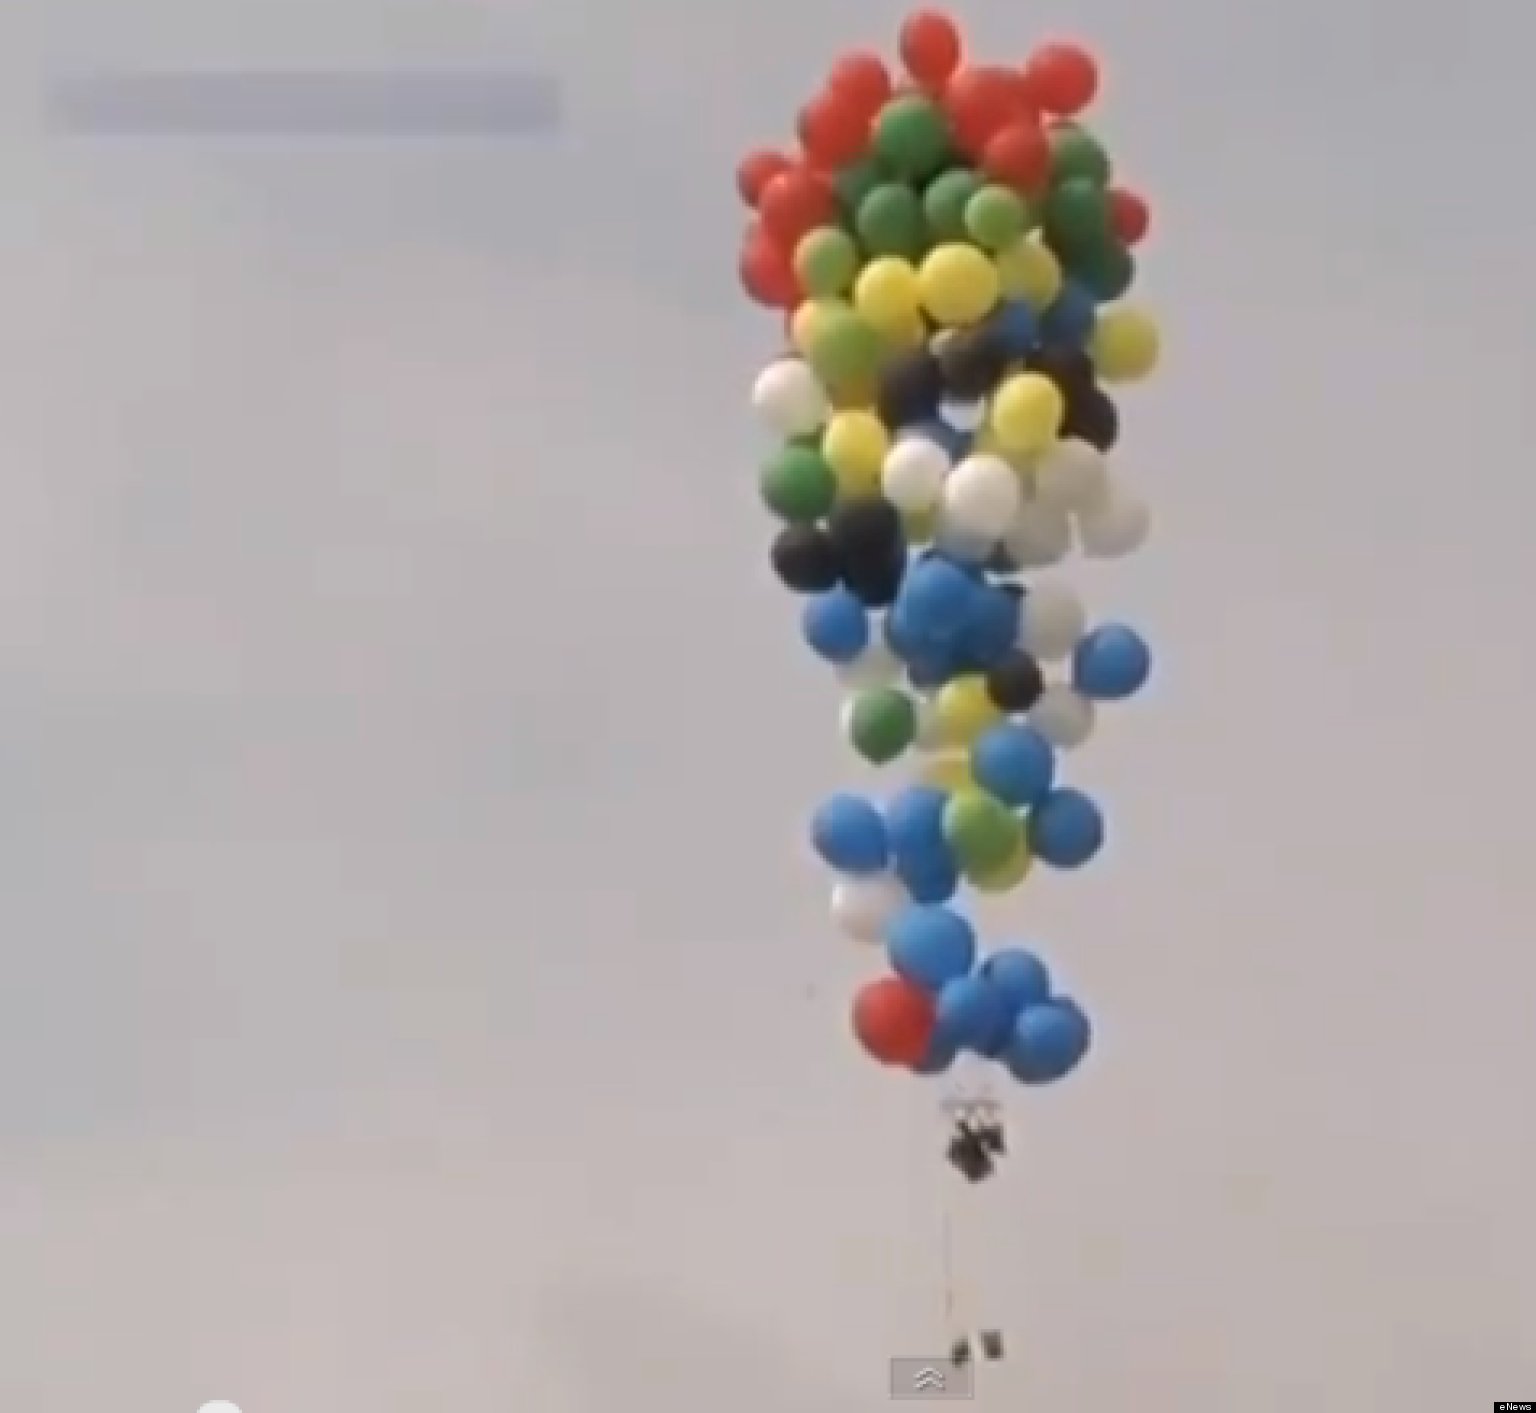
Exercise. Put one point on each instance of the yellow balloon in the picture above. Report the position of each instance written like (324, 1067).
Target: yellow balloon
(949, 770)
(912, 334)
(1007, 875)
(1026, 413)
(960, 285)
(963, 709)
(1028, 270)
(887, 295)
(810, 316)
(1125, 345)
(854, 445)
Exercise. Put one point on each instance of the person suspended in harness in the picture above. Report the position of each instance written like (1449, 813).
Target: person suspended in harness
(975, 1144)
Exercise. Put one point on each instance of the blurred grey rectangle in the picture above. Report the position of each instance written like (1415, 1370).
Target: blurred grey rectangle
(931, 1380)
(306, 103)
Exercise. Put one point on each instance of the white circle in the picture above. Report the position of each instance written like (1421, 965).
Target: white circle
(219, 1405)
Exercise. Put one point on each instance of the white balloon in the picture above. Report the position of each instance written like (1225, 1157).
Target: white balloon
(1116, 527)
(1072, 475)
(876, 666)
(1052, 619)
(1063, 717)
(912, 478)
(1039, 537)
(789, 399)
(861, 907)
(982, 498)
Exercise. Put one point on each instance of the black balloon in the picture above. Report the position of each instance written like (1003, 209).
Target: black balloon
(911, 388)
(1016, 683)
(1069, 368)
(1091, 417)
(874, 582)
(973, 363)
(865, 530)
(805, 559)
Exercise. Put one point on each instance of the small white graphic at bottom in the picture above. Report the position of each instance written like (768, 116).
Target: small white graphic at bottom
(219, 1405)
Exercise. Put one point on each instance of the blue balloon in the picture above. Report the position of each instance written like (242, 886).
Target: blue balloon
(929, 946)
(849, 834)
(934, 602)
(1065, 829)
(991, 630)
(1018, 327)
(929, 882)
(932, 669)
(973, 1014)
(955, 443)
(1069, 320)
(1021, 977)
(1048, 1042)
(1111, 663)
(914, 824)
(1015, 763)
(835, 624)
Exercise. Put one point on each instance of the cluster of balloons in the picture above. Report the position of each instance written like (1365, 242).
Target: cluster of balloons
(951, 249)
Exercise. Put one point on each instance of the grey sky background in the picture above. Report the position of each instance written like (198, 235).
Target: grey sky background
(415, 992)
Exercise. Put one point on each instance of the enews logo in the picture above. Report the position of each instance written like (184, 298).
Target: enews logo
(287, 103)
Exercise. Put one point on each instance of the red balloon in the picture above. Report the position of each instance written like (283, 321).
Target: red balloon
(767, 272)
(756, 170)
(893, 1020)
(980, 100)
(930, 46)
(1019, 156)
(833, 130)
(794, 202)
(1129, 215)
(862, 78)
(1063, 78)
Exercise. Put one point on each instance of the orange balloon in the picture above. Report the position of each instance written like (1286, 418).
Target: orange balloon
(1019, 156)
(930, 46)
(1062, 78)
(862, 78)
(767, 272)
(756, 170)
(893, 1020)
(794, 202)
(1129, 215)
(834, 130)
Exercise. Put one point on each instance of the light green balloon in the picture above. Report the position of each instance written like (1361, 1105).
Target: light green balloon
(826, 260)
(981, 829)
(844, 350)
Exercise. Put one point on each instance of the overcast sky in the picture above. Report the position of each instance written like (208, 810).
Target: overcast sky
(415, 992)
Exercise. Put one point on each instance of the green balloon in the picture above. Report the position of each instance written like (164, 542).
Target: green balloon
(1076, 152)
(912, 136)
(797, 484)
(882, 724)
(844, 350)
(855, 181)
(826, 260)
(890, 222)
(1077, 215)
(944, 203)
(995, 217)
(981, 829)
(1107, 269)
